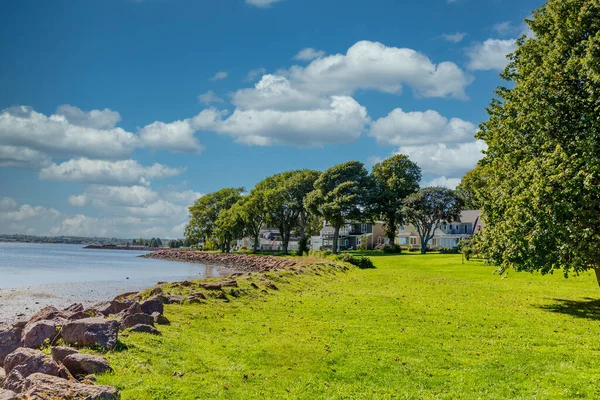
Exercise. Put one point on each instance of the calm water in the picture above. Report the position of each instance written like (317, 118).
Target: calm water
(26, 265)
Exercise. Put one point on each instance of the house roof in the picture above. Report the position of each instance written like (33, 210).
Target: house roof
(469, 216)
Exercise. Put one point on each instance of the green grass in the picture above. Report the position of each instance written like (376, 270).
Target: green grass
(416, 327)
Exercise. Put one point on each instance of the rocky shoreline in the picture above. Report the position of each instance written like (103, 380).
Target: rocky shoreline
(237, 262)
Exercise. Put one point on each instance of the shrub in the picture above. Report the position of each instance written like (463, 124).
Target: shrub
(364, 240)
(392, 249)
(448, 250)
(360, 262)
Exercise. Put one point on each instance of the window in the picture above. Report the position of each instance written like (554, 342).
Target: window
(466, 229)
(363, 228)
(346, 242)
(380, 239)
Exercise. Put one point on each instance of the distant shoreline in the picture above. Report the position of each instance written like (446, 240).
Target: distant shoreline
(120, 247)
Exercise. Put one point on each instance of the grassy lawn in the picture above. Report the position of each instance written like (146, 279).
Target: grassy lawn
(416, 327)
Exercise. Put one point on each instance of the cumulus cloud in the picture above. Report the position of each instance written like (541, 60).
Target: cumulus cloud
(57, 136)
(454, 37)
(98, 119)
(491, 54)
(400, 128)
(106, 196)
(23, 157)
(450, 183)
(26, 219)
(309, 54)
(7, 204)
(209, 97)
(177, 136)
(372, 65)
(123, 172)
(341, 122)
(440, 159)
(262, 3)
(220, 75)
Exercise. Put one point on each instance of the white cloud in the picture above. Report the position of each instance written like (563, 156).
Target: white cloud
(98, 119)
(372, 65)
(7, 204)
(341, 122)
(262, 3)
(507, 28)
(22, 157)
(440, 159)
(124, 172)
(220, 75)
(491, 54)
(454, 37)
(209, 97)
(108, 196)
(187, 197)
(175, 136)
(56, 135)
(309, 54)
(450, 183)
(277, 92)
(26, 219)
(253, 74)
(400, 128)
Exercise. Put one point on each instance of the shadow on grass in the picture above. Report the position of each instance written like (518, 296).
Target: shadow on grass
(588, 308)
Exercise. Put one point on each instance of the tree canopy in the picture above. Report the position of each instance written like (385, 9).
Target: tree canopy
(542, 187)
(427, 208)
(394, 178)
(340, 196)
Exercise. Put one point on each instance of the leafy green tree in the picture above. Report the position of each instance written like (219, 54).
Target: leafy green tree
(340, 196)
(542, 193)
(252, 211)
(229, 226)
(284, 196)
(429, 207)
(470, 187)
(205, 211)
(394, 179)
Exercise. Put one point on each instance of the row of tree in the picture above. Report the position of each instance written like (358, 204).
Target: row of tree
(298, 201)
(154, 242)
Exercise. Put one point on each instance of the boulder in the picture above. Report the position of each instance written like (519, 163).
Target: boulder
(2, 376)
(145, 329)
(91, 332)
(7, 395)
(124, 296)
(14, 381)
(112, 307)
(44, 387)
(64, 373)
(151, 305)
(156, 290)
(47, 313)
(74, 308)
(81, 365)
(134, 319)
(135, 308)
(175, 299)
(10, 340)
(80, 315)
(29, 361)
(37, 333)
(160, 319)
(60, 352)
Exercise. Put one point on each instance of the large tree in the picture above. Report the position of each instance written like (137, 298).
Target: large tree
(284, 196)
(340, 196)
(430, 207)
(205, 211)
(542, 193)
(252, 211)
(394, 178)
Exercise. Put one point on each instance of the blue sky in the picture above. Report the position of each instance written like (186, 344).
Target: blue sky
(117, 114)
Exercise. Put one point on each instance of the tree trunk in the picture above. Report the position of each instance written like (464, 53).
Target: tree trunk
(255, 243)
(424, 244)
(336, 237)
(390, 230)
(597, 270)
(302, 242)
(285, 240)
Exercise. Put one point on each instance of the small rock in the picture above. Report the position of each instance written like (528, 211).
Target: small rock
(141, 328)
(86, 364)
(155, 291)
(270, 285)
(112, 307)
(60, 352)
(175, 299)
(74, 308)
(47, 313)
(2, 376)
(254, 285)
(160, 319)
